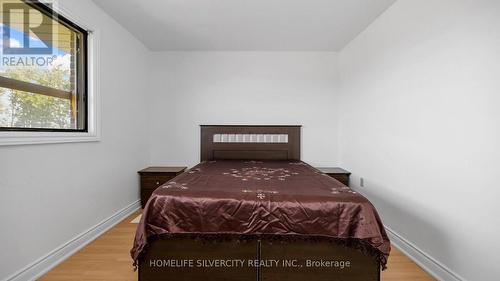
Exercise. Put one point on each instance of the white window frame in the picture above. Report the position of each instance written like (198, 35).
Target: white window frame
(93, 98)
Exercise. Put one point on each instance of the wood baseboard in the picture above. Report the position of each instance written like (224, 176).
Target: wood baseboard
(58, 255)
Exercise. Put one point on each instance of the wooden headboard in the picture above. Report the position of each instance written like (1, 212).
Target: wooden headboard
(250, 142)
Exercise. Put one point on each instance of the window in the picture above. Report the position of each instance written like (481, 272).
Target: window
(43, 70)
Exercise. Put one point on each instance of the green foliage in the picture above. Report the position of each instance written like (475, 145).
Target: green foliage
(31, 110)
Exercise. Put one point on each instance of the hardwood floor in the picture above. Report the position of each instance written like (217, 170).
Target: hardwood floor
(107, 259)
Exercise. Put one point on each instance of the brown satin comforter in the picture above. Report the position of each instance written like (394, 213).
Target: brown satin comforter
(260, 198)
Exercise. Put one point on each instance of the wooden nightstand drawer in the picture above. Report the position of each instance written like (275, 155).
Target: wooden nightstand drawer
(153, 177)
(337, 173)
(151, 182)
(341, 178)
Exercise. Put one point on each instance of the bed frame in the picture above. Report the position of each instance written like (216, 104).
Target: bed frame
(254, 143)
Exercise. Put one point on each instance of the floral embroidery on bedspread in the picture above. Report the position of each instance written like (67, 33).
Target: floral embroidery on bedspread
(261, 194)
(342, 189)
(175, 185)
(260, 173)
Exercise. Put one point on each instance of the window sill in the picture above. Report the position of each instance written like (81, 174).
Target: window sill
(26, 138)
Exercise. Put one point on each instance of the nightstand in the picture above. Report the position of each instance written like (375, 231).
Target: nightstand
(153, 177)
(337, 173)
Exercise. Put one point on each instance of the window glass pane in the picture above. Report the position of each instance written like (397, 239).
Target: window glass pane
(40, 48)
(27, 110)
(59, 41)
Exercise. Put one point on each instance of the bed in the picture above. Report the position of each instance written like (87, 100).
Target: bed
(252, 210)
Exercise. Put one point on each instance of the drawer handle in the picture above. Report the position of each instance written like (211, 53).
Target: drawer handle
(157, 183)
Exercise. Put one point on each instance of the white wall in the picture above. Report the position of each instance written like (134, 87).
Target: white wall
(51, 193)
(193, 88)
(419, 120)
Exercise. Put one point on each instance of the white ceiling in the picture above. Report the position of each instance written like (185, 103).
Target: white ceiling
(245, 25)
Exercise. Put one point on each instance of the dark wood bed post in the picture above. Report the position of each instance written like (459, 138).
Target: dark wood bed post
(289, 150)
